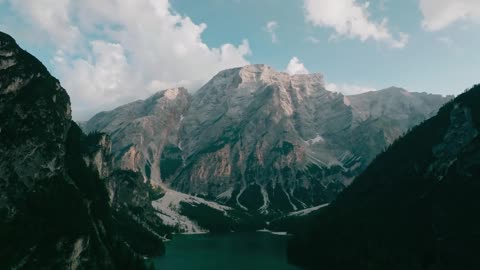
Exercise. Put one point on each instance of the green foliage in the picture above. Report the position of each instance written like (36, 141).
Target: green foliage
(252, 197)
(397, 215)
(216, 221)
(134, 217)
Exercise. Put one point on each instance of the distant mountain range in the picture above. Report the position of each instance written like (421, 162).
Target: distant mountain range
(415, 207)
(260, 140)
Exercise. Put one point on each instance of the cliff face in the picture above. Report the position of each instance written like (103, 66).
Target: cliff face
(35, 118)
(261, 140)
(414, 207)
(252, 140)
(55, 212)
(142, 130)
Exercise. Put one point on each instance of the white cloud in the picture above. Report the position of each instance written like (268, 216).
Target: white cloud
(352, 20)
(439, 14)
(53, 17)
(348, 89)
(110, 52)
(271, 28)
(296, 67)
(102, 79)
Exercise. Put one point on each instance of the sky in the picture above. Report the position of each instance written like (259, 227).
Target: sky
(110, 52)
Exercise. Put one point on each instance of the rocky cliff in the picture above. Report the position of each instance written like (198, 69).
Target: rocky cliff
(142, 130)
(261, 140)
(55, 212)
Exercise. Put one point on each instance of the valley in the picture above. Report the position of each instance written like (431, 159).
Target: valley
(258, 169)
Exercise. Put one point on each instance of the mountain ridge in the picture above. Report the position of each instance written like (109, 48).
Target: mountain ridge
(413, 207)
(267, 121)
(55, 209)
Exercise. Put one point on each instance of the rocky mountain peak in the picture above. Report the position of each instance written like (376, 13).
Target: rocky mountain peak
(171, 93)
(396, 104)
(252, 78)
(147, 127)
(394, 89)
(263, 140)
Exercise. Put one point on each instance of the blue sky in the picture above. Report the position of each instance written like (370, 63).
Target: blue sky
(107, 53)
(438, 62)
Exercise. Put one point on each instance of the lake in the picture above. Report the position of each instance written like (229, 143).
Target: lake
(232, 251)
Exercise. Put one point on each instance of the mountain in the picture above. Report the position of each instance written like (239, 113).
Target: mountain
(141, 130)
(415, 207)
(382, 116)
(260, 140)
(55, 209)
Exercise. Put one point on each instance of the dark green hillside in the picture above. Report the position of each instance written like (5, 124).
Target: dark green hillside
(55, 209)
(415, 207)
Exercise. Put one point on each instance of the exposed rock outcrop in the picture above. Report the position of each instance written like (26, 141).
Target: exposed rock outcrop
(141, 130)
(259, 139)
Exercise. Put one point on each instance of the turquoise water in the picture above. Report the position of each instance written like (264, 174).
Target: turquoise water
(233, 251)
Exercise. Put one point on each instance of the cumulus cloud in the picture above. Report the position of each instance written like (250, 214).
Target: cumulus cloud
(439, 14)
(110, 52)
(271, 28)
(296, 67)
(53, 17)
(348, 89)
(352, 20)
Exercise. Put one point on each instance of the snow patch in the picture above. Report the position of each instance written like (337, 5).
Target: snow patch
(317, 139)
(266, 201)
(314, 160)
(289, 199)
(271, 232)
(238, 198)
(169, 208)
(307, 211)
(78, 248)
(226, 195)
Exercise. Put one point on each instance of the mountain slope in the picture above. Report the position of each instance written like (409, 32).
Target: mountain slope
(55, 211)
(264, 141)
(415, 206)
(142, 129)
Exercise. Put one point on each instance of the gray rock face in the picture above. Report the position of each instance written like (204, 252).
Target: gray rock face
(98, 158)
(141, 130)
(263, 140)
